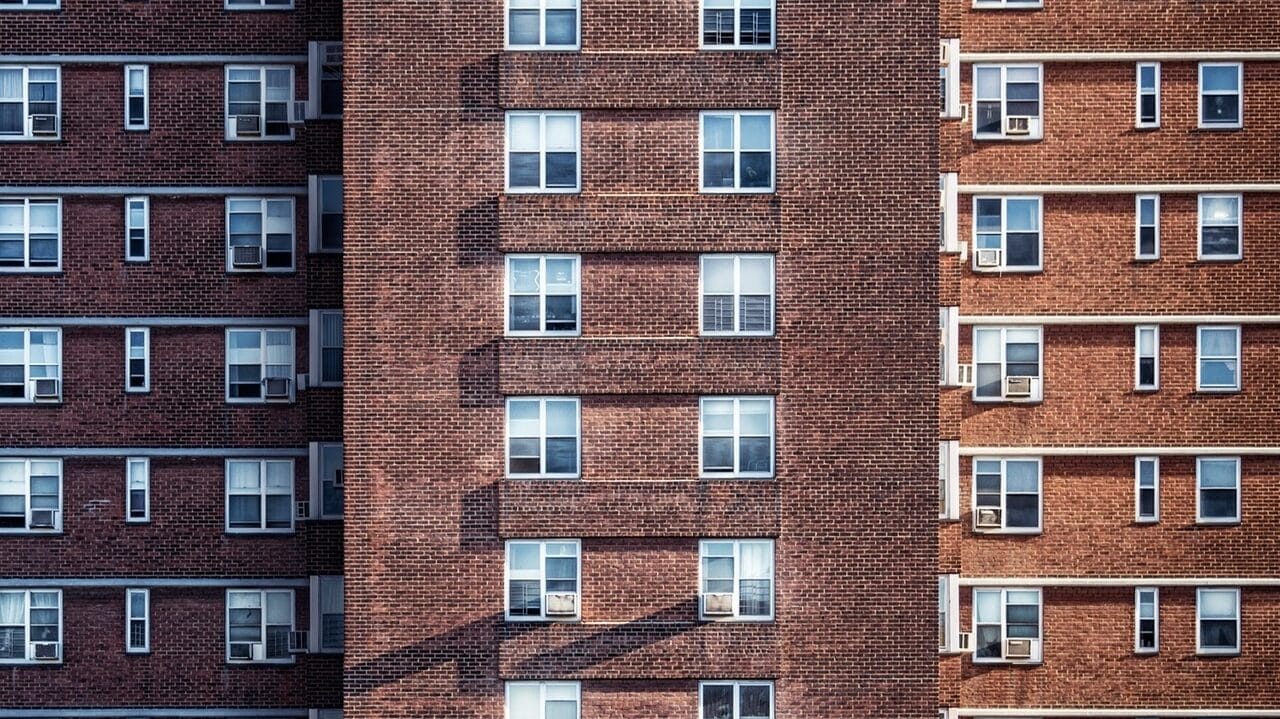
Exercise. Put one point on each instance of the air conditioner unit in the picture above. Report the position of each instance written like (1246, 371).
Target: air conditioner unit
(298, 642)
(337, 478)
(1017, 125)
(43, 518)
(47, 390)
(944, 53)
(963, 248)
(45, 651)
(561, 604)
(988, 518)
(298, 112)
(988, 258)
(302, 510)
(1018, 648)
(246, 256)
(248, 651)
(44, 125)
(276, 388)
(964, 375)
(248, 125)
(1015, 387)
(717, 604)
(964, 643)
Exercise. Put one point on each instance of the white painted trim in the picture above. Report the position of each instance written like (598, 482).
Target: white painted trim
(238, 322)
(107, 59)
(950, 212)
(949, 467)
(1119, 319)
(146, 98)
(1137, 620)
(737, 151)
(146, 490)
(1119, 189)
(542, 188)
(1118, 451)
(1119, 713)
(164, 190)
(1123, 57)
(1120, 582)
(955, 110)
(129, 618)
(146, 360)
(1137, 489)
(140, 582)
(126, 452)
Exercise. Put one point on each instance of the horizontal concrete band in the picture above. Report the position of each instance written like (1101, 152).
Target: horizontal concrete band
(1119, 581)
(128, 713)
(63, 59)
(1127, 189)
(1143, 712)
(1120, 319)
(157, 190)
(153, 322)
(63, 452)
(1131, 56)
(165, 582)
(1133, 451)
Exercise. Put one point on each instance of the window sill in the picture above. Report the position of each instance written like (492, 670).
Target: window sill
(1223, 653)
(251, 273)
(259, 532)
(1146, 390)
(1220, 128)
(1009, 532)
(736, 191)
(1002, 400)
(1009, 662)
(29, 532)
(737, 48)
(542, 191)
(1220, 259)
(732, 335)
(736, 620)
(542, 335)
(258, 140)
(31, 139)
(1200, 522)
(730, 475)
(543, 48)
(1007, 138)
(1215, 391)
(261, 662)
(553, 477)
(31, 662)
(543, 620)
(1008, 270)
(31, 271)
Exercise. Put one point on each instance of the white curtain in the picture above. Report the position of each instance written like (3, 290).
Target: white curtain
(331, 595)
(12, 605)
(242, 475)
(757, 560)
(10, 84)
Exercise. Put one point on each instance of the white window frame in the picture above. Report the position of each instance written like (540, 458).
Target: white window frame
(1137, 620)
(737, 151)
(542, 44)
(1220, 651)
(293, 365)
(542, 438)
(949, 203)
(1201, 93)
(129, 332)
(317, 478)
(26, 497)
(949, 612)
(1037, 385)
(316, 213)
(1005, 267)
(1004, 493)
(259, 6)
(26, 267)
(949, 351)
(26, 6)
(1007, 5)
(1138, 332)
(1037, 654)
(737, 685)
(262, 235)
(542, 295)
(145, 202)
(229, 130)
(737, 28)
(738, 578)
(315, 637)
(1238, 358)
(542, 707)
(950, 71)
(1037, 123)
(316, 335)
(26, 612)
(1138, 463)
(146, 98)
(949, 480)
(27, 135)
(507, 578)
(143, 466)
(1200, 225)
(317, 54)
(1138, 254)
(736, 435)
(262, 495)
(1139, 93)
(262, 626)
(542, 188)
(737, 294)
(1239, 490)
(129, 619)
(29, 392)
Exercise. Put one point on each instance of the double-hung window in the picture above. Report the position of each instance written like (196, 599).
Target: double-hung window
(30, 365)
(260, 365)
(324, 73)
(1147, 227)
(258, 625)
(1007, 4)
(737, 579)
(1006, 625)
(136, 111)
(1007, 363)
(137, 229)
(736, 700)
(30, 626)
(324, 193)
(1218, 358)
(30, 234)
(137, 622)
(327, 614)
(1217, 490)
(1221, 227)
(1146, 620)
(1007, 495)
(137, 366)
(259, 495)
(1007, 233)
(326, 348)
(326, 479)
(137, 489)
(1146, 489)
(260, 234)
(737, 437)
(1146, 351)
(1218, 621)
(30, 103)
(542, 24)
(737, 151)
(737, 24)
(542, 151)
(29, 4)
(1221, 95)
(542, 580)
(543, 700)
(737, 295)
(259, 4)
(542, 437)
(949, 613)
(543, 294)
(1007, 102)
(1148, 107)
(259, 100)
(30, 495)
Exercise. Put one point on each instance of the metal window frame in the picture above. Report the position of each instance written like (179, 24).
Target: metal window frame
(262, 364)
(262, 495)
(542, 188)
(542, 44)
(736, 436)
(542, 437)
(737, 151)
(736, 294)
(738, 577)
(542, 580)
(737, 44)
(129, 648)
(542, 294)
(129, 464)
(146, 98)
(1004, 493)
(1201, 93)
(262, 625)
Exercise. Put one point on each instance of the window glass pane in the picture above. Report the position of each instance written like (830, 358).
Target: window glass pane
(1215, 604)
(1147, 76)
(1022, 476)
(717, 275)
(987, 607)
(524, 418)
(988, 83)
(525, 557)
(562, 133)
(523, 26)
(524, 133)
(562, 417)
(562, 27)
(717, 132)
(717, 701)
(1217, 473)
(757, 132)
(756, 275)
(753, 701)
(1218, 343)
(1024, 215)
(1221, 78)
(717, 415)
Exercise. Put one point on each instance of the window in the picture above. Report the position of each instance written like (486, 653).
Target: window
(737, 152)
(137, 229)
(542, 580)
(324, 195)
(737, 579)
(1007, 495)
(1148, 227)
(737, 24)
(948, 346)
(1218, 621)
(260, 234)
(1146, 483)
(29, 4)
(1007, 101)
(737, 436)
(542, 24)
(1148, 95)
(948, 215)
(737, 295)
(543, 292)
(30, 365)
(137, 625)
(1146, 620)
(1221, 95)
(30, 103)
(30, 625)
(259, 495)
(326, 348)
(1006, 625)
(259, 4)
(542, 700)
(949, 480)
(1146, 349)
(1007, 363)
(324, 72)
(30, 495)
(30, 234)
(326, 469)
(1220, 227)
(260, 365)
(1007, 4)
(1217, 490)
(258, 625)
(137, 489)
(259, 100)
(1006, 233)
(736, 700)
(949, 77)
(135, 97)
(948, 613)
(137, 366)
(327, 616)
(542, 437)
(1217, 359)
(542, 151)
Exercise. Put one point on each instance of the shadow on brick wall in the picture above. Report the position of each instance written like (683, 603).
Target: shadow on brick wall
(477, 234)
(478, 88)
(478, 377)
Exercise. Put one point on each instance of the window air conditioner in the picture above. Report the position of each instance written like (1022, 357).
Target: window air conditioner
(562, 604)
(989, 518)
(276, 388)
(302, 510)
(44, 125)
(1017, 648)
(248, 125)
(246, 256)
(337, 478)
(298, 642)
(1017, 125)
(45, 651)
(1018, 387)
(47, 390)
(717, 604)
(989, 258)
(43, 518)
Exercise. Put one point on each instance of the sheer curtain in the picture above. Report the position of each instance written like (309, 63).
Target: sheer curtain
(11, 607)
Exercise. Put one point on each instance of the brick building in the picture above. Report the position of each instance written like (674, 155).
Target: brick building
(170, 358)
(1107, 537)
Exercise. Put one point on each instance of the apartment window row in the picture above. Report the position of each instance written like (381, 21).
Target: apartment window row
(735, 583)
(557, 24)
(736, 437)
(543, 152)
(752, 699)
